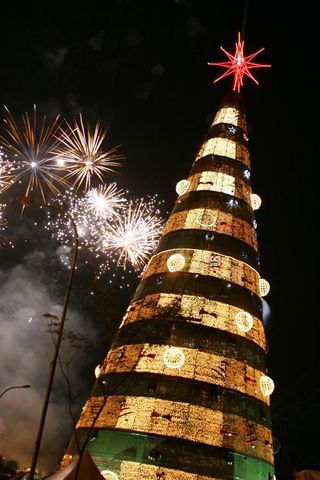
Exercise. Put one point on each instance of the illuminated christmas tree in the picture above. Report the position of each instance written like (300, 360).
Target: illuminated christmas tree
(183, 393)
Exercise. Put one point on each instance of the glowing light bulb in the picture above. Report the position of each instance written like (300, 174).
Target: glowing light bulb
(255, 201)
(182, 187)
(264, 287)
(266, 385)
(174, 357)
(244, 321)
(176, 262)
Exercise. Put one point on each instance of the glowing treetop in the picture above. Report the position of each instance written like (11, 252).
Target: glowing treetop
(239, 65)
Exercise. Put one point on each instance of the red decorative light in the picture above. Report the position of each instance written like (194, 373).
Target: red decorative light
(239, 65)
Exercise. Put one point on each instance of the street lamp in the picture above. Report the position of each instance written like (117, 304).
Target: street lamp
(17, 386)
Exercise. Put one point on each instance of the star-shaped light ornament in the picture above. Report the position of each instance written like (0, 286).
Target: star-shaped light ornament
(239, 65)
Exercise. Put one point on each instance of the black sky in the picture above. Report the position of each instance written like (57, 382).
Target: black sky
(141, 66)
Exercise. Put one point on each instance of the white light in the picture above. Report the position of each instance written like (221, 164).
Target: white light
(173, 357)
(182, 187)
(244, 321)
(33, 164)
(97, 371)
(264, 287)
(247, 174)
(60, 162)
(255, 201)
(266, 385)
(176, 262)
(108, 475)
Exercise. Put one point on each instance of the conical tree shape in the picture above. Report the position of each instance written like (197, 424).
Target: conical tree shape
(183, 391)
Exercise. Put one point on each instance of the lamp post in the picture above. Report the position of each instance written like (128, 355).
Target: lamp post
(16, 386)
(53, 362)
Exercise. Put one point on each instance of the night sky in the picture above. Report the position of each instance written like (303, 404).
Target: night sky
(141, 67)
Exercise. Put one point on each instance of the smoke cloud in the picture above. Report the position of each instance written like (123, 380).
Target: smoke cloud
(26, 348)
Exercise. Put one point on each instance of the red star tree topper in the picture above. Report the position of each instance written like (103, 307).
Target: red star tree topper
(239, 65)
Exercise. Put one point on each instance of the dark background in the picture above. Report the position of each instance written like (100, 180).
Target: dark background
(141, 66)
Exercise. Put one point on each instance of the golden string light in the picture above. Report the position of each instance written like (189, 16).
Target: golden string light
(176, 262)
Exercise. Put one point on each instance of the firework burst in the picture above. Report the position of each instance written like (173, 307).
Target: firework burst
(105, 202)
(134, 236)
(81, 152)
(123, 239)
(29, 159)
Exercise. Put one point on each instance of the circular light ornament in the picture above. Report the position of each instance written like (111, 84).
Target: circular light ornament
(108, 475)
(182, 187)
(176, 262)
(97, 371)
(264, 287)
(255, 201)
(207, 219)
(266, 385)
(244, 321)
(174, 357)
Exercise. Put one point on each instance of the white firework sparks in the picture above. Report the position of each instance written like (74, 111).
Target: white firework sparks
(126, 238)
(90, 213)
(80, 150)
(29, 160)
(60, 225)
(133, 237)
(106, 202)
(3, 221)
